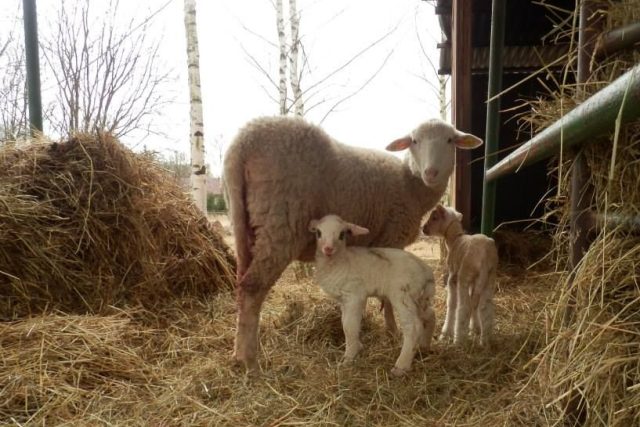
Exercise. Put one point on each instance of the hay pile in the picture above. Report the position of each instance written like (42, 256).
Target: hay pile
(589, 370)
(87, 224)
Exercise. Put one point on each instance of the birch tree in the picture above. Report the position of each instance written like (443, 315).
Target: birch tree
(294, 76)
(282, 69)
(198, 167)
(292, 55)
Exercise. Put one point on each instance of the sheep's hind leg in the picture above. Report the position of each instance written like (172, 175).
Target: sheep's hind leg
(252, 289)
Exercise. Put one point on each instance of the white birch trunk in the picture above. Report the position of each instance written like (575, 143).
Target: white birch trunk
(443, 97)
(293, 59)
(283, 58)
(198, 167)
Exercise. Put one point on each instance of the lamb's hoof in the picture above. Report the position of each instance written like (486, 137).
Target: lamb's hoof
(346, 361)
(444, 337)
(398, 372)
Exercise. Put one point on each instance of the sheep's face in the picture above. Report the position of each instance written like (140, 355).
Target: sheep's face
(331, 234)
(439, 221)
(432, 149)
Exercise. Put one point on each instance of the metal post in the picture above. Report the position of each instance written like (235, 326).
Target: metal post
(581, 189)
(33, 64)
(492, 133)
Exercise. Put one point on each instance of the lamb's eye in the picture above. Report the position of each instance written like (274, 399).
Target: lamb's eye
(449, 141)
(414, 141)
(318, 234)
(342, 235)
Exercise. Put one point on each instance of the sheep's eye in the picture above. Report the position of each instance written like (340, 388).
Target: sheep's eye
(342, 235)
(318, 234)
(414, 141)
(449, 141)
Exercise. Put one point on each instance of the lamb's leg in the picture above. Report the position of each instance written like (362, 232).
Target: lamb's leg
(252, 289)
(389, 319)
(475, 322)
(412, 331)
(486, 311)
(452, 304)
(463, 312)
(429, 324)
(352, 311)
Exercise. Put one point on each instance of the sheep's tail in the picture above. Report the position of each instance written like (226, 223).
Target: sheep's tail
(234, 187)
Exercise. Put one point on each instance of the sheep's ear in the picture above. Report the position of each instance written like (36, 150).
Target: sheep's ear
(313, 225)
(458, 215)
(440, 210)
(400, 144)
(356, 230)
(466, 141)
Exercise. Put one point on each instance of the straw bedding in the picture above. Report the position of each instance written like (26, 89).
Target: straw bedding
(87, 224)
(116, 369)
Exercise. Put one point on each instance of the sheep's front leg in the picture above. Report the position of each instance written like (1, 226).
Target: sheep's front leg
(452, 304)
(352, 310)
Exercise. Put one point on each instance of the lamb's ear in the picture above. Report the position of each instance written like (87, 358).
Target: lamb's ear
(313, 225)
(356, 230)
(400, 144)
(466, 141)
(457, 215)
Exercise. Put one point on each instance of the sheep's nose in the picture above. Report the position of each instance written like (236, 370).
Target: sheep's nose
(430, 174)
(328, 251)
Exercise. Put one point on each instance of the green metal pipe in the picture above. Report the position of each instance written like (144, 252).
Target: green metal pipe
(33, 64)
(594, 117)
(492, 133)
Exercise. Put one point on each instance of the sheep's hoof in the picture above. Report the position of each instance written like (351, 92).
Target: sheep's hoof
(398, 372)
(251, 366)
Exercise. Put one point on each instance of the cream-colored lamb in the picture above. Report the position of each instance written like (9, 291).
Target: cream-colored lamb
(472, 261)
(352, 274)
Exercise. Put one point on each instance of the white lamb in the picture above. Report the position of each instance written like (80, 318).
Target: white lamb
(352, 274)
(472, 262)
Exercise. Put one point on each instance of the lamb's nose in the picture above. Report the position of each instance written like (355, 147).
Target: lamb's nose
(328, 251)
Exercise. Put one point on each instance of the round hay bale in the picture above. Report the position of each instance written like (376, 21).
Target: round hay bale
(87, 224)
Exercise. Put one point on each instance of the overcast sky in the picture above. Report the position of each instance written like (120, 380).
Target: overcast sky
(395, 100)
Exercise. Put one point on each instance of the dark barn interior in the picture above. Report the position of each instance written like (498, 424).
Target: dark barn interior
(529, 45)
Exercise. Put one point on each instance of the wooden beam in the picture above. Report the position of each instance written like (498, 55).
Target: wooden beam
(461, 93)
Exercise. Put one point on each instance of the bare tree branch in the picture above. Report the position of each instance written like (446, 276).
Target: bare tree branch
(365, 84)
(107, 79)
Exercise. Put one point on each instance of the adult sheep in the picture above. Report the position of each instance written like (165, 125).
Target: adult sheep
(281, 172)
